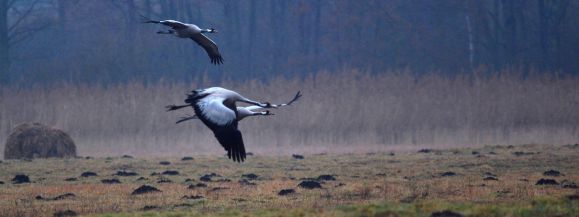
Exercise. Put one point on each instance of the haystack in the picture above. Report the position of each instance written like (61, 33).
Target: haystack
(29, 141)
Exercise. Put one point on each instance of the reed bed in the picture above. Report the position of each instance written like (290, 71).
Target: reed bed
(347, 111)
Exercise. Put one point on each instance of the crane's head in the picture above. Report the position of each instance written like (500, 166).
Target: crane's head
(211, 30)
(266, 105)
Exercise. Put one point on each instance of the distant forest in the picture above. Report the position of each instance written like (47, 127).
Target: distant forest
(80, 41)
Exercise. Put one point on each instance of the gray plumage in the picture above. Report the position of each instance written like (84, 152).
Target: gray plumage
(192, 31)
(215, 107)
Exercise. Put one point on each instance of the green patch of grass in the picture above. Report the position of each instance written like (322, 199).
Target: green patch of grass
(538, 208)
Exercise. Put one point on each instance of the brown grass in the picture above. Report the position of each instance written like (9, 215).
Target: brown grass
(367, 178)
(336, 111)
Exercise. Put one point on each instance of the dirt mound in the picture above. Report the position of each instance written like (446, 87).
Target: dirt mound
(522, 153)
(246, 182)
(65, 213)
(310, 184)
(547, 182)
(198, 185)
(284, 192)
(326, 178)
(59, 197)
(192, 197)
(552, 173)
(573, 197)
(446, 213)
(250, 176)
(219, 189)
(568, 184)
(88, 174)
(186, 158)
(297, 156)
(491, 178)
(145, 189)
(111, 181)
(164, 180)
(20, 178)
(207, 177)
(29, 141)
(165, 163)
(448, 174)
(150, 207)
(126, 173)
(170, 172)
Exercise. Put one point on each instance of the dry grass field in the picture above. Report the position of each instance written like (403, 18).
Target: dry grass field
(336, 110)
(403, 183)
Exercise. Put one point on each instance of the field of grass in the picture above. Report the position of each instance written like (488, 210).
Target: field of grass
(409, 183)
(337, 109)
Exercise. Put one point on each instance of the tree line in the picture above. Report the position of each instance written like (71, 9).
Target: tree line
(75, 41)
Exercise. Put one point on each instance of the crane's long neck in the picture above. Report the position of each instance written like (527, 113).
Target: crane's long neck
(263, 105)
(246, 100)
(243, 113)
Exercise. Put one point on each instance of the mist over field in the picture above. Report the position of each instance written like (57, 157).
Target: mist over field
(374, 74)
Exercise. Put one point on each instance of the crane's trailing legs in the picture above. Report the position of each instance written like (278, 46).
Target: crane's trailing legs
(175, 107)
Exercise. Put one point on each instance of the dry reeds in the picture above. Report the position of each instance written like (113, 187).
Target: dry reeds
(348, 111)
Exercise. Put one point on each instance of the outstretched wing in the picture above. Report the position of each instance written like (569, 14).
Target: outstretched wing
(230, 138)
(222, 120)
(173, 24)
(210, 47)
(170, 23)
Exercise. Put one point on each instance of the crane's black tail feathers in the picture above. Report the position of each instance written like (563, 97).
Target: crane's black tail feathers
(194, 96)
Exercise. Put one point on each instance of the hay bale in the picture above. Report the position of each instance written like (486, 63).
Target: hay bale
(29, 141)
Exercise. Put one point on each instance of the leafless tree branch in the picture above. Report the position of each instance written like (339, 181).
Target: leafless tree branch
(23, 16)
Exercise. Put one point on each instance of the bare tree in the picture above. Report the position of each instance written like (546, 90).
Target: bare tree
(16, 31)
(4, 45)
